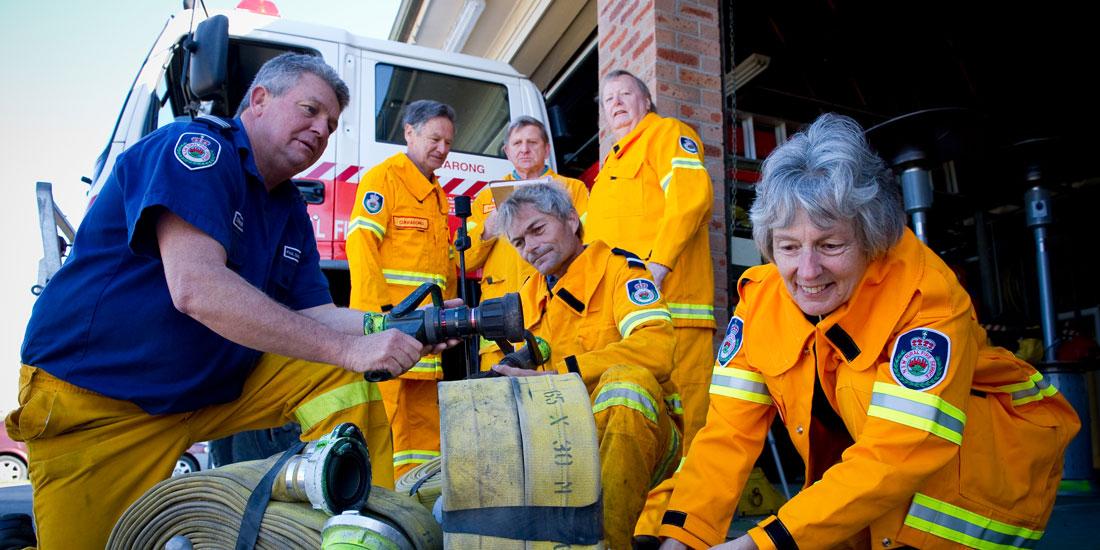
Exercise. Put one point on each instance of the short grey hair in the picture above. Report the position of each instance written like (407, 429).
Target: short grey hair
(421, 111)
(281, 73)
(829, 172)
(523, 122)
(619, 73)
(548, 198)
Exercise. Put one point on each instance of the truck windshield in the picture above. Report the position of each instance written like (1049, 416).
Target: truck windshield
(481, 108)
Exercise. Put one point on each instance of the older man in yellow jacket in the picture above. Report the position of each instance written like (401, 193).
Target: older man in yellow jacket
(653, 197)
(527, 145)
(397, 239)
(604, 318)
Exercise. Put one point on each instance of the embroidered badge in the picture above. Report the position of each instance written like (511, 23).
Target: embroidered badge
(731, 344)
(410, 222)
(642, 291)
(372, 202)
(920, 358)
(238, 221)
(196, 151)
(689, 145)
(291, 253)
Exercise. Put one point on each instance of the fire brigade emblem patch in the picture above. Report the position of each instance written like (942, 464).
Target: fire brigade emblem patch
(373, 202)
(731, 344)
(689, 145)
(197, 151)
(642, 292)
(920, 358)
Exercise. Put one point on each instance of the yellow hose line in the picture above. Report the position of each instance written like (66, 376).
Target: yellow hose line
(526, 444)
(430, 479)
(206, 507)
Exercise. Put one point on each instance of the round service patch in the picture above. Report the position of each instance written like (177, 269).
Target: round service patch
(731, 344)
(920, 358)
(196, 151)
(642, 292)
(373, 202)
(689, 145)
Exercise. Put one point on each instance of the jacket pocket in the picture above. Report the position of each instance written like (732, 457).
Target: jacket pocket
(1009, 462)
(628, 189)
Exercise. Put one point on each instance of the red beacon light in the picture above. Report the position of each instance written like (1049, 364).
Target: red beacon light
(262, 7)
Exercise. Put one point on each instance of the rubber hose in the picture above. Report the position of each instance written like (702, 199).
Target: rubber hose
(424, 482)
(206, 507)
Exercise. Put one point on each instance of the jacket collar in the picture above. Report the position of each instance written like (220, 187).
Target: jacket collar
(858, 331)
(417, 185)
(620, 147)
(574, 289)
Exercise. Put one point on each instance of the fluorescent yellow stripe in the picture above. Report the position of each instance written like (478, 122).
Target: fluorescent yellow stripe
(431, 363)
(965, 527)
(333, 401)
(691, 311)
(367, 224)
(740, 384)
(414, 456)
(922, 418)
(633, 319)
(413, 278)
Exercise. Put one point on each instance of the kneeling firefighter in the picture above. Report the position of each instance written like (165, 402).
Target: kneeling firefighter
(603, 318)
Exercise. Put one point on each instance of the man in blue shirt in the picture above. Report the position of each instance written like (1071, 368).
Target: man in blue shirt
(193, 307)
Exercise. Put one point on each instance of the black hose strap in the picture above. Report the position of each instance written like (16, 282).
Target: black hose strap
(257, 502)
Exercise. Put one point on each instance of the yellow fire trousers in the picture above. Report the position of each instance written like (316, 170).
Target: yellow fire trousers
(92, 456)
(639, 446)
(413, 409)
(693, 364)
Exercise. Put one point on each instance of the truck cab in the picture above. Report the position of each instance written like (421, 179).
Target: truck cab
(222, 52)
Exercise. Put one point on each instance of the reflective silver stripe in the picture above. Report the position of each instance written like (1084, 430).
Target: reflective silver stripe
(398, 279)
(616, 394)
(409, 457)
(921, 410)
(965, 527)
(740, 384)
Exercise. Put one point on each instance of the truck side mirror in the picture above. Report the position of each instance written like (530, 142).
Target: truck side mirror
(209, 51)
(313, 191)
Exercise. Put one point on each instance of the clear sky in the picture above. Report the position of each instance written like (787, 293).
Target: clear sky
(66, 67)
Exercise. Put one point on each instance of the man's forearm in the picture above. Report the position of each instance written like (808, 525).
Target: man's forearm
(256, 321)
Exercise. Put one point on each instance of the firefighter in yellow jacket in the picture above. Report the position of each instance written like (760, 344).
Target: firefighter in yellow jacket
(653, 197)
(604, 318)
(397, 239)
(913, 430)
(527, 146)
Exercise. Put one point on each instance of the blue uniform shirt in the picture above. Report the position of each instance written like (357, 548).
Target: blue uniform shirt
(106, 321)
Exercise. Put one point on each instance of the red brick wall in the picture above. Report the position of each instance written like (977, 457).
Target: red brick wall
(674, 46)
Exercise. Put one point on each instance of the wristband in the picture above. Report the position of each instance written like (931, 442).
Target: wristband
(373, 322)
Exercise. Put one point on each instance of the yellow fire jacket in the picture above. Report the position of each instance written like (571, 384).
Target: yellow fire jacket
(605, 311)
(502, 268)
(653, 197)
(397, 239)
(955, 443)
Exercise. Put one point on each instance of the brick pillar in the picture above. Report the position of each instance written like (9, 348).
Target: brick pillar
(675, 47)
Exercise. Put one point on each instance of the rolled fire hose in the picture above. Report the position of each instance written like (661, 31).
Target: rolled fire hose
(206, 507)
(521, 466)
(424, 482)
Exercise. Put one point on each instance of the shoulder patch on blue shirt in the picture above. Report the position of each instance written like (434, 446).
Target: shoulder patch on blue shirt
(642, 292)
(920, 358)
(196, 151)
(689, 145)
(372, 202)
(731, 344)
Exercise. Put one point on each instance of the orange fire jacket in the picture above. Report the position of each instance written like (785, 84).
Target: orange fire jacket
(604, 311)
(397, 239)
(955, 442)
(653, 197)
